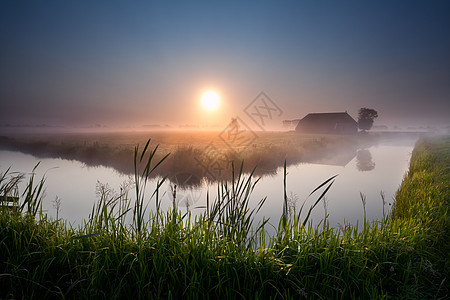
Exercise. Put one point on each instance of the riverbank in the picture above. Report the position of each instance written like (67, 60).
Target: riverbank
(196, 155)
(169, 255)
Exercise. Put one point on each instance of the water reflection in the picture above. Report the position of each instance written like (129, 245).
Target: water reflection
(187, 198)
(187, 189)
(343, 157)
(364, 160)
(75, 185)
(339, 157)
(343, 201)
(186, 180)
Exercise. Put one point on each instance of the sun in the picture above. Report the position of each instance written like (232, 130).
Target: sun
(210, 100)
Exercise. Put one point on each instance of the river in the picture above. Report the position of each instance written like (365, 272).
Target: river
(367, 171)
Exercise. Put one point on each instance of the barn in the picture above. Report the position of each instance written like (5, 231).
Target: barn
(327, 123)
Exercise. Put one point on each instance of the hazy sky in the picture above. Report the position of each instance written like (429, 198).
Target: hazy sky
(143, 62)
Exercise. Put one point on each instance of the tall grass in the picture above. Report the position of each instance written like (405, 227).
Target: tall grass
(125, 250)
(231, 215)
(141, 180)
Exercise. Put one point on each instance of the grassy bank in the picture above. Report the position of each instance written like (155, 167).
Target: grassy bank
(221, 254)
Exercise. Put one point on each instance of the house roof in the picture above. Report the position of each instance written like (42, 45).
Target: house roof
(335, 117)
(327, 123)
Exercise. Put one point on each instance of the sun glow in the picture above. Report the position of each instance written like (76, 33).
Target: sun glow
(210, 100)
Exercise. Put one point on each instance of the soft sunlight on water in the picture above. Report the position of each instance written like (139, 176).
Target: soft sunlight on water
(380, 169)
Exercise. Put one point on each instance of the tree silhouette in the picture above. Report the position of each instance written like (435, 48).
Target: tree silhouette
(233, 128)
(366, 117)
(234, 124)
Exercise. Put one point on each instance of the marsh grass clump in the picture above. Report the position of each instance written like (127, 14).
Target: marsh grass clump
(128, 249)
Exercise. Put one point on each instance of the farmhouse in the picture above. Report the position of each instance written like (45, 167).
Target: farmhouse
(327, 123)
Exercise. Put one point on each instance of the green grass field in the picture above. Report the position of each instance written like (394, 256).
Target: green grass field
(222, 254)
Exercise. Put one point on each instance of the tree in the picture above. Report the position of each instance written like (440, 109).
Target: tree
(233, 128)
(366, 117)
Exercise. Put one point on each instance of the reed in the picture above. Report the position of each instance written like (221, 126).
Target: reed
(126, 250)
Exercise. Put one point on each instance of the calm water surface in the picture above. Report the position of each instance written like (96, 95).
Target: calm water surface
(367, 171)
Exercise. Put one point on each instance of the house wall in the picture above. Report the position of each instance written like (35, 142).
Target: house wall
(327, 128)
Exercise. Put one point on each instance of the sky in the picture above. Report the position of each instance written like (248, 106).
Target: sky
(149, 62)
